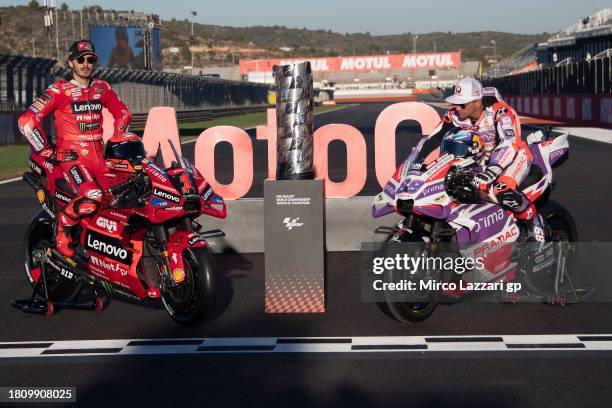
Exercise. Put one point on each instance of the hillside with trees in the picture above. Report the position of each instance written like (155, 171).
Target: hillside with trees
(24, 33)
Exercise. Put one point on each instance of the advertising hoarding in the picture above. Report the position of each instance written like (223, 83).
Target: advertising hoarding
(361, 63)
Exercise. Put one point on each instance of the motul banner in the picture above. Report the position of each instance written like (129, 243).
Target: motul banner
(361, 63)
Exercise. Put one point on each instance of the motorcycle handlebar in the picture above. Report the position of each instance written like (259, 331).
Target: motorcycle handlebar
(116, 189)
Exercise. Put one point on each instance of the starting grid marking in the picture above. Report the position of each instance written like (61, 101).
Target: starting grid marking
(397, 344)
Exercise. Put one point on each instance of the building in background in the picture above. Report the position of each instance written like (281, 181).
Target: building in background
(582, 41)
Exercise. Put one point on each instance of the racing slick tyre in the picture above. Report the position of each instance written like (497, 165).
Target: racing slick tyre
(194, 299)
(38, 237)
(408, 312)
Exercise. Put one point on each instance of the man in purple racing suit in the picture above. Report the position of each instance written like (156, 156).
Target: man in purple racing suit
(506, 159)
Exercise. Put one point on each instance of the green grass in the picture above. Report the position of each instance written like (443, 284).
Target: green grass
(13, 160)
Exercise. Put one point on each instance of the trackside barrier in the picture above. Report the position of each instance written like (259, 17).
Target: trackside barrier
(574, 108)
(347, 225)
(593, 77)
(141, 90)
(139, 119)
(9, 134)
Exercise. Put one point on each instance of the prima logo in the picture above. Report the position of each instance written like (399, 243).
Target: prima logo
(555, 155)
(492, 218)
(291, 223)
(433, 189)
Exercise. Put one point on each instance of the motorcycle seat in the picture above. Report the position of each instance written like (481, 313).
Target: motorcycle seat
(534, 176)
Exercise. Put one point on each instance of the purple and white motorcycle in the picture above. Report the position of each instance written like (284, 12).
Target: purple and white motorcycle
(432, 190)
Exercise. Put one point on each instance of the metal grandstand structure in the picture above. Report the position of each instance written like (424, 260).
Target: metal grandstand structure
(21, 80)
(518, 60)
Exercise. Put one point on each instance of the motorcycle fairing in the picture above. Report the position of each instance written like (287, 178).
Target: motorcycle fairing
(178, 242)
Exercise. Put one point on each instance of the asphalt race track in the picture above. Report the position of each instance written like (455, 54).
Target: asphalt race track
(557, 376)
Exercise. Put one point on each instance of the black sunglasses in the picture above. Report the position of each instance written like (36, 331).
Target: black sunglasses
(90, 60)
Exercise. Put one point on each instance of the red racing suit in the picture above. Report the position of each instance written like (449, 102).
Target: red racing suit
(506, 160)
(77, 110)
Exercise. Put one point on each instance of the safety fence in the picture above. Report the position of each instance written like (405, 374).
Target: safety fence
(566, 108)
(22, 79)
(593, 77)
(141, 90)
(195, 98)
(139, 119)
(9, 133)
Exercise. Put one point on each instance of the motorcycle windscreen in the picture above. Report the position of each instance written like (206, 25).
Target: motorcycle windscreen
(457, 149)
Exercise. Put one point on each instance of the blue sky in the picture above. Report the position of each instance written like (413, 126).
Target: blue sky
(377, 17)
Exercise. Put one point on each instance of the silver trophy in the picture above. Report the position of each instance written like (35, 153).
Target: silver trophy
(294, 121)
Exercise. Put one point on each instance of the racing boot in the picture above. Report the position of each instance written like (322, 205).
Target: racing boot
(534, 225)
(536, 233)
(63, 239)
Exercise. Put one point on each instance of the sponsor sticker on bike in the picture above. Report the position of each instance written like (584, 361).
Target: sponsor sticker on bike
(110, 247)
(105, 223)
(166, 195)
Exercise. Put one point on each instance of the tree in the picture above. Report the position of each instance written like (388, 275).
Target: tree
(34, 5)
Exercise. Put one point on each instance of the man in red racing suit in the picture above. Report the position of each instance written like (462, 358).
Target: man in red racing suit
(506, 160)
(77, 107)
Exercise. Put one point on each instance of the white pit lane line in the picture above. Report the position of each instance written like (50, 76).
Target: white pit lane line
(310, 345)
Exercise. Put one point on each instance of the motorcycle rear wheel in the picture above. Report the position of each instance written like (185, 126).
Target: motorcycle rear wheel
(59, 288)
(563, 235)
(193, 300)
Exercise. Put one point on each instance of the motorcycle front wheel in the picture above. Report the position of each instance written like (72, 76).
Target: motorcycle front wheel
(193, 300)
(409, 311)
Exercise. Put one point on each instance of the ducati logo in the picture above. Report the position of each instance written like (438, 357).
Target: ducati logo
(290, 223)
